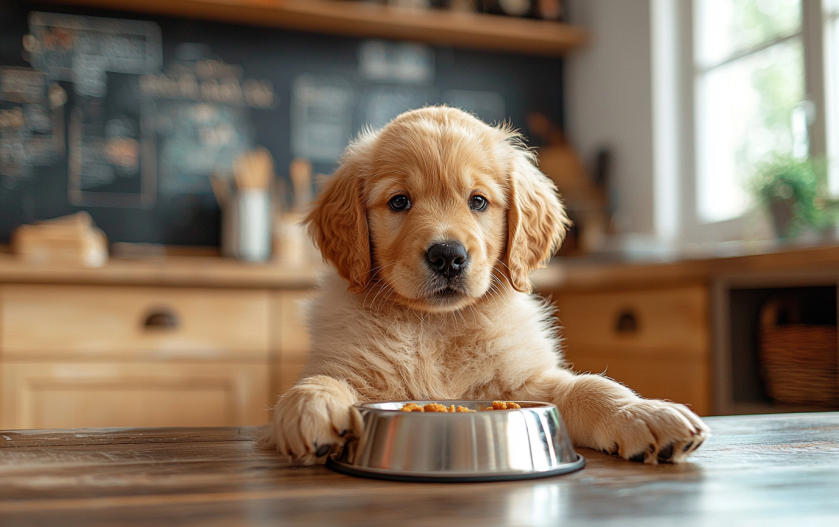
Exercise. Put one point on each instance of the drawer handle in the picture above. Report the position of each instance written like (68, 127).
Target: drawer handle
(627, 322)
(161, 318)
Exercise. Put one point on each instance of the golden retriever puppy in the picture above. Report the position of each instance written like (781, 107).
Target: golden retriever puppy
(434, 223)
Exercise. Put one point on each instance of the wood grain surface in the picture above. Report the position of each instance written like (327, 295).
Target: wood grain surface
(610, 274)
(52, 321)
(365, 19)
(181, 271)
(754, 470)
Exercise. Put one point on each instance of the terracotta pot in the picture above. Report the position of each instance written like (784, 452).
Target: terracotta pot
(782, 217)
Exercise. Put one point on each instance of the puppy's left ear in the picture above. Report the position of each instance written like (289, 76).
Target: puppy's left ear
(536, 219)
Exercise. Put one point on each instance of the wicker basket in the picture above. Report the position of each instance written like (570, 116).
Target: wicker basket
(798, 361)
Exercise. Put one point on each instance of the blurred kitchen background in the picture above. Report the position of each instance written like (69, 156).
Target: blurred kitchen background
(156, 158)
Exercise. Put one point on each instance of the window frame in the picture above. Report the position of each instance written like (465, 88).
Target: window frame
(829, 144)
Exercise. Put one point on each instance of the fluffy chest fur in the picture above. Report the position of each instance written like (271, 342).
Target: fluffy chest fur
(386, 351)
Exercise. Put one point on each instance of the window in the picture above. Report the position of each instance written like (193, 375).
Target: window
(738, 81)
(749, 96)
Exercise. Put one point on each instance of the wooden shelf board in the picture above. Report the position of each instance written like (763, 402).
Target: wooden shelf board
(468, 30)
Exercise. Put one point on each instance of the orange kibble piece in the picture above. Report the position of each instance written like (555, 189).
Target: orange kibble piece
(501, 405)
(412, 407)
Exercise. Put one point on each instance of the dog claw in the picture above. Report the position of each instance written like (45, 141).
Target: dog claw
(666, 453)
(639, 457)
(322, 451)
(687, 446)
(343, 433)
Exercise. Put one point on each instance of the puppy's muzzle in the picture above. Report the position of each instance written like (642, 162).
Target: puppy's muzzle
(447, 259)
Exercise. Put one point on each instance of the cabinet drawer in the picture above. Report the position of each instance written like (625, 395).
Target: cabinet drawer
(163, 323)
(671, 320)
(92, 394)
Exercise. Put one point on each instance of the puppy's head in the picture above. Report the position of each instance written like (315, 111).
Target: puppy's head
(440, 208)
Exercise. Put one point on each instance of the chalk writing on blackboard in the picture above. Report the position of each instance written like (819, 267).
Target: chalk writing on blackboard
(82, 49)
(400, 62)
(182, 82)
(199, 139)
(31, 123)
(321, 117)
(202, 117)
(112, 159)
(111, 151)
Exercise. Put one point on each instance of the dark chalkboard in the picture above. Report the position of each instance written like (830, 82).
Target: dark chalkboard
(127, 116)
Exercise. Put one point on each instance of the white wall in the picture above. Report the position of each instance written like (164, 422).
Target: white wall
(609, 101)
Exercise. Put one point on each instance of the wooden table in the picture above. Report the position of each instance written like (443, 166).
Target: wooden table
(754, 470)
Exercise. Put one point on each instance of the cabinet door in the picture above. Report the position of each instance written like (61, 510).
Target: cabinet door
(657, 342)
(292, 338)
(78, 395)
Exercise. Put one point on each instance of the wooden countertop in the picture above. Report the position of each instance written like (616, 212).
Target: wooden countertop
(563, 274)
(759, 470)
(182, 271)
(588, 273)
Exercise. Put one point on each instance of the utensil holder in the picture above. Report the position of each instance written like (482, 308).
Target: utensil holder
(247, 223)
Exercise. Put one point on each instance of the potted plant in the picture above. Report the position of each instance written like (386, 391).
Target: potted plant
(794, 192)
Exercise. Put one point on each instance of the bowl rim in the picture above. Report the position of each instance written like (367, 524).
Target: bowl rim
(452, 477)
(525, 405)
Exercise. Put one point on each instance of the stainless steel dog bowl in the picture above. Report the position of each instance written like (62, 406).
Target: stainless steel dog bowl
(531, 442)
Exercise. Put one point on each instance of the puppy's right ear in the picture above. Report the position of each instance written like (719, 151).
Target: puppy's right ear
(338, 224)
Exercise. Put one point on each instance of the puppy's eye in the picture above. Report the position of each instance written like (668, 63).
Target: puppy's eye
(399, 203)
(478, 202)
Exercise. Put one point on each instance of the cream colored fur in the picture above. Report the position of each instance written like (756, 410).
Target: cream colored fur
(388, 337)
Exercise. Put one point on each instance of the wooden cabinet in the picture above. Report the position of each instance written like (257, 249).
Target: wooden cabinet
(134, 356)
(131, 322)
(655, 341)
(293, 340)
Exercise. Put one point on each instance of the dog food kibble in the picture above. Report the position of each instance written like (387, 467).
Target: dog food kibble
(441, 408)
(434, 407)
(501, 405)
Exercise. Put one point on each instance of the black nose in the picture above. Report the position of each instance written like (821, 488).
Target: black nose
(447, 258)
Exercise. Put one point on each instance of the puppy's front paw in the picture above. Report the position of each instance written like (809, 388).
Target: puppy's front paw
(655, 431)
(312, 418)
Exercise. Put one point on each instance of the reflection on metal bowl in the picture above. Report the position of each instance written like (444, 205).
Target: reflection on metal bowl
(531, 442)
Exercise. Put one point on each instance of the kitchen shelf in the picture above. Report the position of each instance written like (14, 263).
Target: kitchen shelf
(361, 19)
